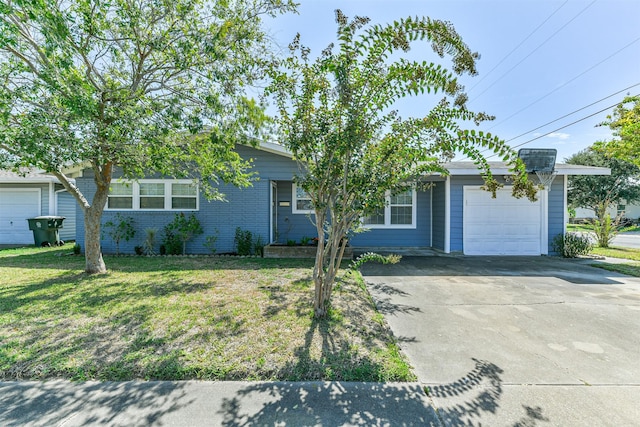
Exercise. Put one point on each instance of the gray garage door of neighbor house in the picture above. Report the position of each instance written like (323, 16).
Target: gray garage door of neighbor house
(504, 225)
(16, 205)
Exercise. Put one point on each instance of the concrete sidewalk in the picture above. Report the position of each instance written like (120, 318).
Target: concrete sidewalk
(196, 403)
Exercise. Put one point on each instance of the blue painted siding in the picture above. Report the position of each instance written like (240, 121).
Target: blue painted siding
(419, 236)
(456, 210)
(438, 214)
(66, 207)
(555, 206)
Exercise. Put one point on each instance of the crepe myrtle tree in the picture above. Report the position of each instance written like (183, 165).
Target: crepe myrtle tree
(131, 85)
(336, 116)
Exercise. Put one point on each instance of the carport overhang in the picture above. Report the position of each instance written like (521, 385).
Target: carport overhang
(501, 168)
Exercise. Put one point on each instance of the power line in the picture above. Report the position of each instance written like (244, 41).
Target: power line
(536, 49)
(573, 112)
(562, 127)
(520, 44)
(566, 83)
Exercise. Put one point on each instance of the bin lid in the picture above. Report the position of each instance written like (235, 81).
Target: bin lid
(49, 217)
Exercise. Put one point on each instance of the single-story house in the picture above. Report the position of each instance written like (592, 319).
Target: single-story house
(625, 210)
(28, 195)
(451, 215)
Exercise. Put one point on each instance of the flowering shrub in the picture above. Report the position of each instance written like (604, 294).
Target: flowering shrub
(572, 245)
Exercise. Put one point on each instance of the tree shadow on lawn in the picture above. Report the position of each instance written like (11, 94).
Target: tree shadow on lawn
(327, 389)
(79, 291)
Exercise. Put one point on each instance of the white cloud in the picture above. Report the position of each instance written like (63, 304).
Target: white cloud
(559, 135)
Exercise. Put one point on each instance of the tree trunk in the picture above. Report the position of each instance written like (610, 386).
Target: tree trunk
(94, 264)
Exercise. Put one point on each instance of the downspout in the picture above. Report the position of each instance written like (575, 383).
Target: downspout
(431, 214)
(447, 215)
(52, 199)
(565, 205)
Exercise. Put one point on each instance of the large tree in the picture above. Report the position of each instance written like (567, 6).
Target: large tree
(130, 84)
(600, 192)
(336, 116)
(625, 124)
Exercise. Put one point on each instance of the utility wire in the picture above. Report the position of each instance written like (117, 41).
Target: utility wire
(562, 127)
(536, 49)
(518, 46)
(566, 83)
(573, 112)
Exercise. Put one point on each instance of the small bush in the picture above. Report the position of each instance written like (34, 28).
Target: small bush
(605, 230)
(149, 243)
(77, 249)
(258, 246)
(171, 244)
(374, 257)
(210, 242)
(121, 228)
(243, 241)
(179, 231)
(572, 245)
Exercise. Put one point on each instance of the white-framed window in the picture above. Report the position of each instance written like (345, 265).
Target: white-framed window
(399, 212)
(301, 201)
(153, 195)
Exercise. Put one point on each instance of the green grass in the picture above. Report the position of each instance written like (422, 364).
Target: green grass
(615, 252)
(584, 228)
(631, 269)
(175, 318)
(579, 228)
(628, 269)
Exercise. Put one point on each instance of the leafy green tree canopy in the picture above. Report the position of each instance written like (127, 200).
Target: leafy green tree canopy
(625, 123)
(599, 192)
(336, 116)
(124, 84)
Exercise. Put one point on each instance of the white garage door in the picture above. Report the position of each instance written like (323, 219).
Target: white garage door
(504, 225)
(16, 205)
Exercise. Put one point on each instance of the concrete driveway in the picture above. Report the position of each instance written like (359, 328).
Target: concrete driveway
(517, 341)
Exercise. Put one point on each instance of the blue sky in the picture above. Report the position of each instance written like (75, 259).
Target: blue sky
(540, 60)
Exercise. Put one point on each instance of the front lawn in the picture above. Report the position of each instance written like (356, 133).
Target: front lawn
(631, 269)
(174, 318)
(615, 252)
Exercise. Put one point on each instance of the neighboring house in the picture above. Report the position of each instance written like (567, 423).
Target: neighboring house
(631, 211)
(30, 195)
(451, 215)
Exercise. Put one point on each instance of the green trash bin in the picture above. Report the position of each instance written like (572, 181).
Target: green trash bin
(45, 230)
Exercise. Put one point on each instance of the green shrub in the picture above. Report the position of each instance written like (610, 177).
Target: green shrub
(121, 228)
(179, 231)
(572, 245)
(605, 230)
(210, 242)
(258, 245)
(374, 257)
(243, 241)
(171, 245)
(149, 244)
(77, 249)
